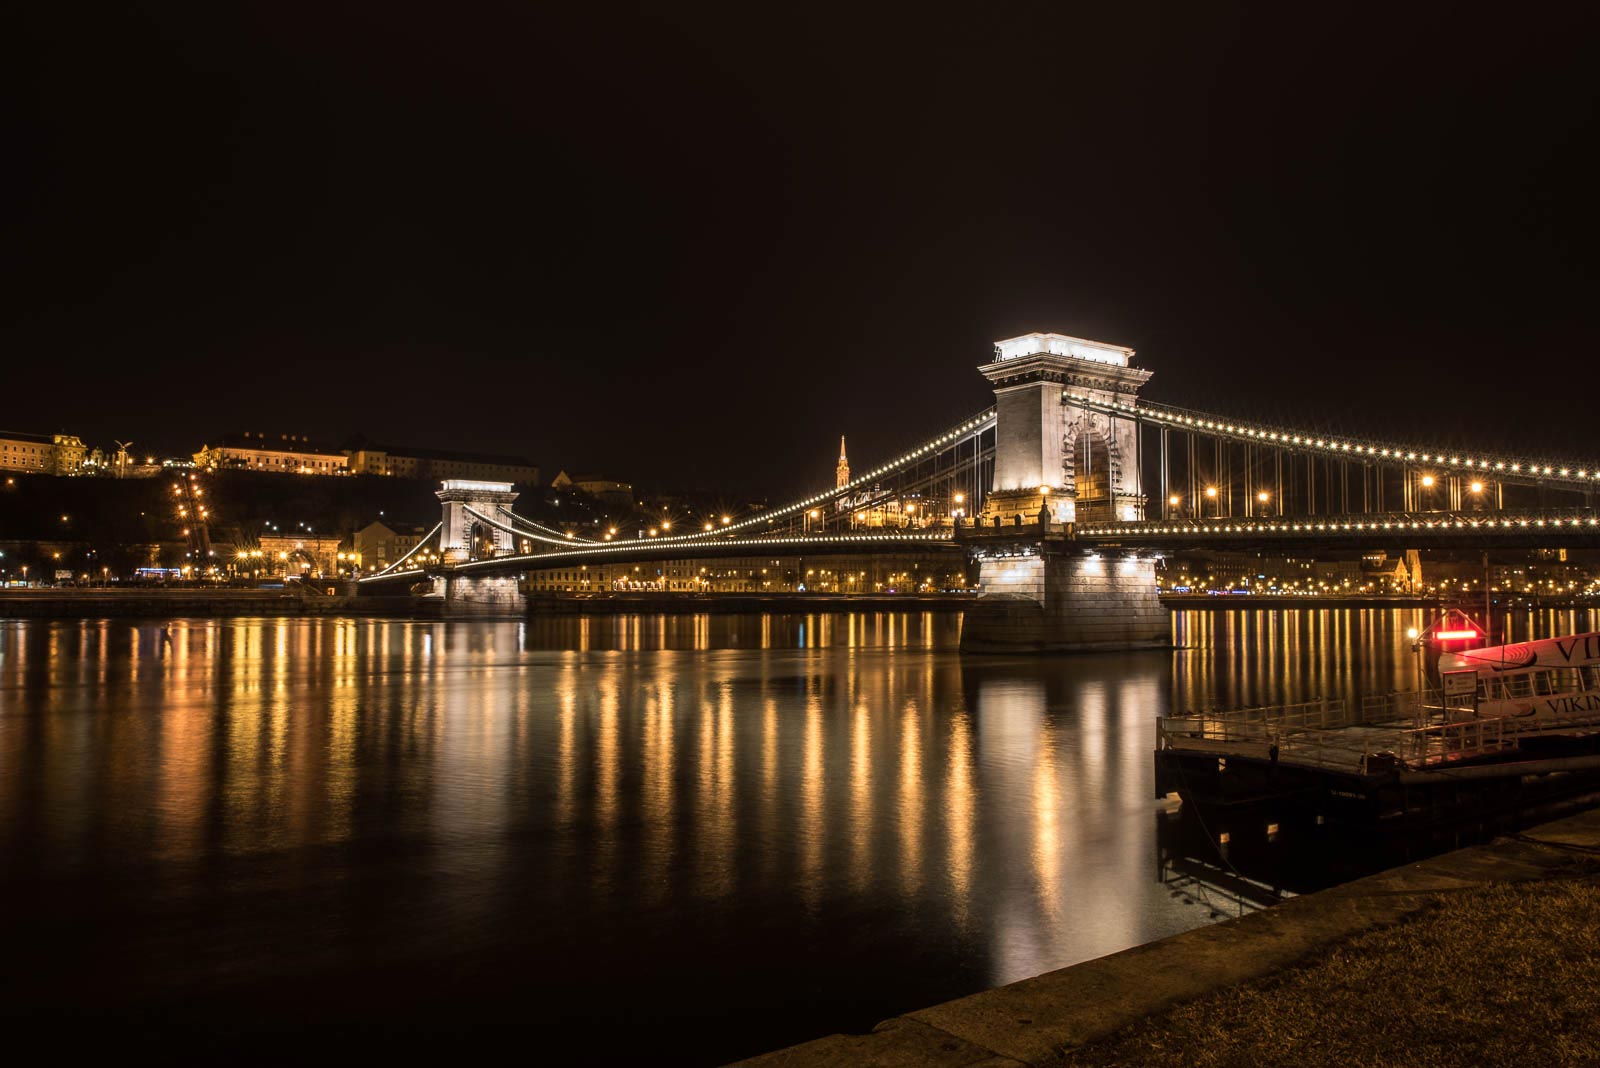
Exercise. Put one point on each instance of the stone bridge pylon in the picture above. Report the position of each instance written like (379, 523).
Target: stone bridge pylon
(463, 537)
(1050, 452)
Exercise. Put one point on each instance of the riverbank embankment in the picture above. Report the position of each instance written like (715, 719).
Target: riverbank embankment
(1277, 973)
(156, 601)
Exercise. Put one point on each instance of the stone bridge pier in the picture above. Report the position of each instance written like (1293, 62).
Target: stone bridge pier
(1048, 596)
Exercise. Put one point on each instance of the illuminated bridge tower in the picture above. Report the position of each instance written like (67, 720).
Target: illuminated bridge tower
(1036, 591)
(1049, 450)
(464, 537)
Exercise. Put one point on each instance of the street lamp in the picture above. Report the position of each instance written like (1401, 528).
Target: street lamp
(1416, 647)
(1211, 494)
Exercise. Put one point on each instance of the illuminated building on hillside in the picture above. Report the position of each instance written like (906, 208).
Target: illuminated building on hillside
(397, 461)
(43, 454)
(285, 454)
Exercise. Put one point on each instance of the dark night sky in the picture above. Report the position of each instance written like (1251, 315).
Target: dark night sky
(692, 246)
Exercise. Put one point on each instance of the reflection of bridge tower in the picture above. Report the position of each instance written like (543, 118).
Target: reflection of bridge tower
(463, 537)
(1085, 464)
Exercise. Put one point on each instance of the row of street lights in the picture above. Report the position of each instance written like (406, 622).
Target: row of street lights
(1263, 498)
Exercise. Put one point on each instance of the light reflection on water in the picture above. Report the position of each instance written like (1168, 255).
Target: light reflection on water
(744, 830)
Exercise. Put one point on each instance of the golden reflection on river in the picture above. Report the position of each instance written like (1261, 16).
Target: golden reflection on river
(810, 821)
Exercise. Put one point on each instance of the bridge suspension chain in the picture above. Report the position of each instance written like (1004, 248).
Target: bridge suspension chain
(560, 539)
(421, 543)
(541, 528)
(977, 424)
(1517, 469)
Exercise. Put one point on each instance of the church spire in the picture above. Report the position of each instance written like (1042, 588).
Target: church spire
(841, 473)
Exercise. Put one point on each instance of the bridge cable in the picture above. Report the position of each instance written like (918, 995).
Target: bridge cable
(414, 550)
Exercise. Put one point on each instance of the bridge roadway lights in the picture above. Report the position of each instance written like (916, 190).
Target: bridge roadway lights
(1043, 597)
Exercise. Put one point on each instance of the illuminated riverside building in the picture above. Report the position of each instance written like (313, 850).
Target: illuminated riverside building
(285, 454)
(395, 461)
(300, 555)
(377, 545)
(1371, 572)
(41, 454)
(877, 573)
(874, 507)
(297, 454)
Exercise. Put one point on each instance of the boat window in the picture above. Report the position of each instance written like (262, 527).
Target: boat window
(1564, 680)
(1518, 685)
(1542, 682)
(1591, 676)
(1497, 688)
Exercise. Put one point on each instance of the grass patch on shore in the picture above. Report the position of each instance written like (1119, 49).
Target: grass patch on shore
(1505, 975)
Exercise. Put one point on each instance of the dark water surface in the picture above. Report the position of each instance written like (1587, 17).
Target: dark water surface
(676, 839)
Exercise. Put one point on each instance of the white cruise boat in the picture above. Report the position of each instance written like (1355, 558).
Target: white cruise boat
(1550, 679)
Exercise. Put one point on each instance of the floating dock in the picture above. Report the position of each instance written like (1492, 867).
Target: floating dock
(1395, 759)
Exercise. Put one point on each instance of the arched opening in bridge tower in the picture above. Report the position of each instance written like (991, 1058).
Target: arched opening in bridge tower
(299, 564)
(481, 542)
(1093, 474)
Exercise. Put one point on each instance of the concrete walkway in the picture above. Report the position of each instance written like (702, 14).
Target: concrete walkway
(1038, 1021)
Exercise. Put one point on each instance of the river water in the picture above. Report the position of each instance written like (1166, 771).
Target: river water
(675, 838)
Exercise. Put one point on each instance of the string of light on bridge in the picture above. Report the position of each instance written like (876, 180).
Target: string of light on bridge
(1450, 523)
(415, 549)
(653, 547)
(976, 425)
(559, 539)
(1505, 467)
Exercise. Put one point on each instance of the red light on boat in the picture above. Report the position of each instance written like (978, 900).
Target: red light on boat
(1455, 635)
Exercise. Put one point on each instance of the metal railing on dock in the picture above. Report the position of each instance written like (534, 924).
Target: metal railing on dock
(1319, 714)
(1319, 734)
(1444, 743)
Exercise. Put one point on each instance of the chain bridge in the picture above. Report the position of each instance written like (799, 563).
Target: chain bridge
(1061, 496)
